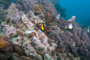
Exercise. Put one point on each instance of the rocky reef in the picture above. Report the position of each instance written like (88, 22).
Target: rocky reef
(33, 30)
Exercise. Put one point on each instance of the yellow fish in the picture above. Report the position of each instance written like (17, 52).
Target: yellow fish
(42, 27)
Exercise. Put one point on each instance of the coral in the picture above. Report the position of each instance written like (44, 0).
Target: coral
(9, 30)
(17, 40)
(71, 40)
(21, 26)
(10, 50)
(26, 21)
(52, 10)
(24, 40)
(34, 18)
(2, 43)
(48, 18)
(37, 9)
(2, 17)
(42, 9)
(39, 57)
(6, 3)
(13, 12)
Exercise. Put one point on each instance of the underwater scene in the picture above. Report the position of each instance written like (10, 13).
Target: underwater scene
(44, 29)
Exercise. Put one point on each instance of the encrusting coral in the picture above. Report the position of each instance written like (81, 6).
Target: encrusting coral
(30, 39)
(13, 13)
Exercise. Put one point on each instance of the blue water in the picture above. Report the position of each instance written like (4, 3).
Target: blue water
(79, 8)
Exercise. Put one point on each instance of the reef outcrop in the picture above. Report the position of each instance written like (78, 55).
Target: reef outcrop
(33, 30)
(75, 41)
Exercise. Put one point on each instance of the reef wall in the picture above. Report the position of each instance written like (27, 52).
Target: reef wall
(33, 30)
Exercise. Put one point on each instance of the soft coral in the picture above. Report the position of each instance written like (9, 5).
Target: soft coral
(2, 42)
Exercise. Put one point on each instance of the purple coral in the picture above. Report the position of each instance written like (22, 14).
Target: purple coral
(9, 30)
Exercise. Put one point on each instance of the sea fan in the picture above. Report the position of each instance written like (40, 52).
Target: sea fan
(42, 9)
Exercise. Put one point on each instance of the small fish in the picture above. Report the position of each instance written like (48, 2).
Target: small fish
(58, 17)
(72, 19)
(70, 26)
(42, 27)
(68, 21)
(88, 29)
